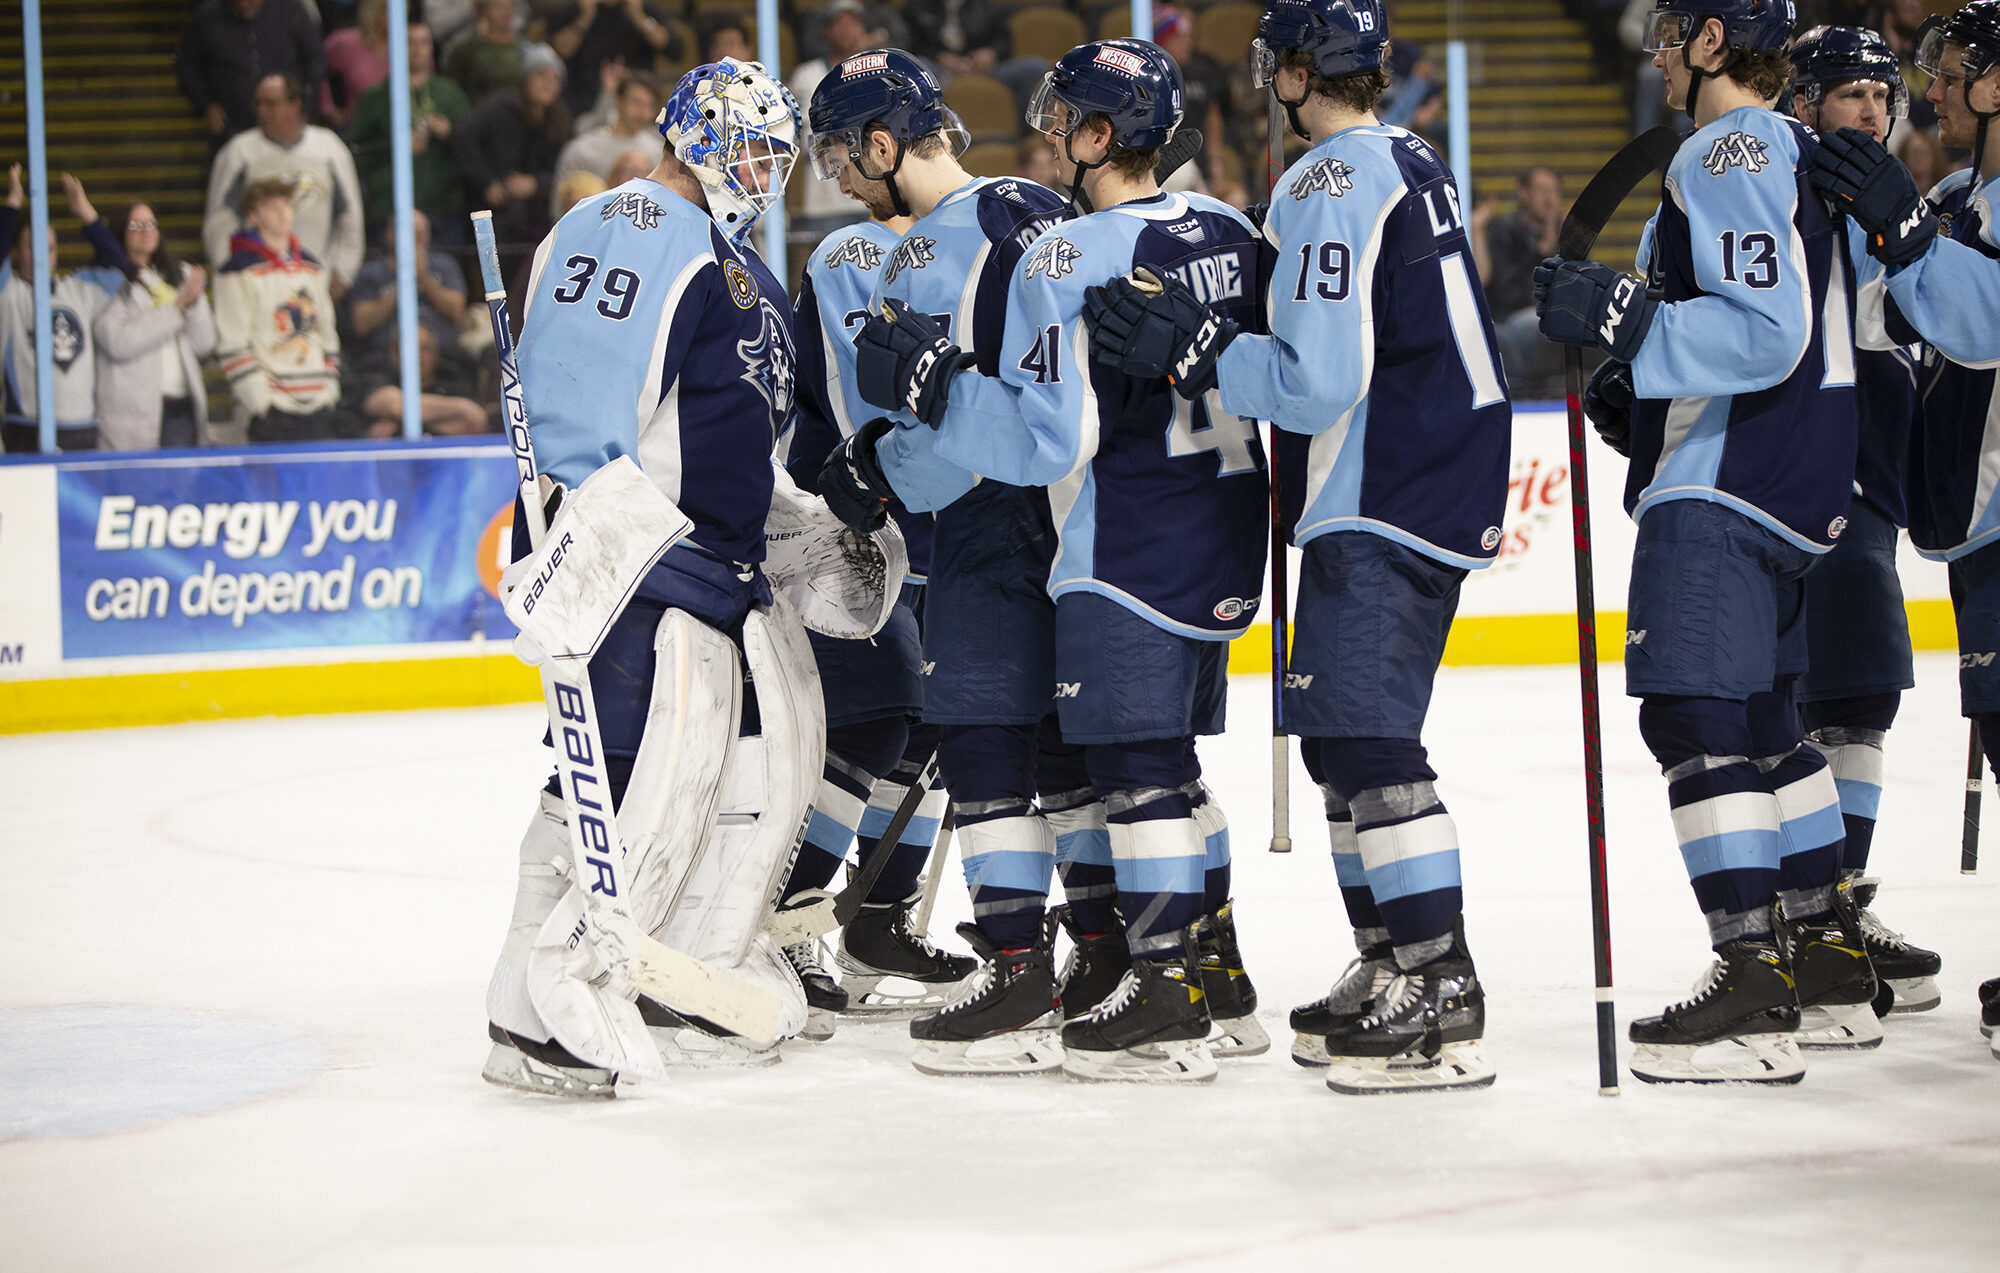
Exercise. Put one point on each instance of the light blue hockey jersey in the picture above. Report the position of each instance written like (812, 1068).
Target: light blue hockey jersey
(647, 335)
(1380, 365)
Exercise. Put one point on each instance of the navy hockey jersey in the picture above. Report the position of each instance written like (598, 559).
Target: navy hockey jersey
(1746, 378)
(1885, 387)
(1951, 296)
(1380, 366)
(1160, 504)
(647, 335)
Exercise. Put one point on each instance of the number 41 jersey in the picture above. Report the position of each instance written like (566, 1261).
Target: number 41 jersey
(647, 335)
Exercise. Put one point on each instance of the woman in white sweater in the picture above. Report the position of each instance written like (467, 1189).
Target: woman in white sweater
(151, 339)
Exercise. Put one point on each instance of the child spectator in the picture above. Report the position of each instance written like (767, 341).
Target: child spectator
(75, 299)
(274, 324)
(151, 339)
(314, 160)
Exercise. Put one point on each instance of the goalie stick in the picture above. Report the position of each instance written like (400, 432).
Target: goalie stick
(690, 987)
(920, 923)
(1620, 175)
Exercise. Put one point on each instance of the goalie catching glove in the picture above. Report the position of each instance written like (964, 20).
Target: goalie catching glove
(1148, 326)
(842, 582)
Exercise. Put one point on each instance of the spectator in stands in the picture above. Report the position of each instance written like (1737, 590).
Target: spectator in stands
(1206, 84)
(589, 33)
(599, 149)
(971, 37)
(436, 106)
(633, 163)
(76, 298)
(231, 46)
(274, 324)
(357, 59)
(1035, 159)
(446, 393)
(371, 302)
(847, 30)
(507, 150)
(489, 59)
(577, 187)
(448, 19)
(1508, 248)
(327, 193)
(726, 35)
(151, 339)
(1899, 22)
(1923, 154)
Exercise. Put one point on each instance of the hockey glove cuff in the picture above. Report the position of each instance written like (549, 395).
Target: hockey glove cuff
(1869, 184)
(1149, 326)
(852, 483)
(1588, 303)
(1607, 401)
(904, 363)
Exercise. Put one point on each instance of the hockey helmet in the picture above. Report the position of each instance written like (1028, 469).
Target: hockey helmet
(1827, 57)
(1134, 83)
(1749, 26)
(1974, 28)
(737, 129)
(887, 87)
(1343, 37)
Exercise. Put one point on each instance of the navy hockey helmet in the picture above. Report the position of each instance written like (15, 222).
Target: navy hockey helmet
(1134, 83)
(1827, 57)
(881, 86)
(1343, 37)
(1974, 28)
(1750, 26)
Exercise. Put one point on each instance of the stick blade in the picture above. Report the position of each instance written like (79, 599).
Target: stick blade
(1619, 177)
(1184, 145)
(694, 987)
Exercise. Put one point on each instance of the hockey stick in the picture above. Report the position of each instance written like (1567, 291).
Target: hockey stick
(1281, 608)
(920, 923)
(689, 986)
(848, 904)
(1975, 779)
(1587, 217)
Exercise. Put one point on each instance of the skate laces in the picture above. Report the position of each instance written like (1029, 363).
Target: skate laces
(920, 942)
(1402, 990)
(973, 988)
(1706, 982)
(805, 958)
(1121, 995)
(1874, 931)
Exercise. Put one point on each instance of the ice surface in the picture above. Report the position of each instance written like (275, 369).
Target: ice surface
(299, 916)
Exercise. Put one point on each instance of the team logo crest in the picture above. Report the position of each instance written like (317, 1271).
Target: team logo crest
(768, 364)
(742, 288)
(862, 254)
(66, 339)
(913, 253)
(1055, 258)
(1330, 175)
(636, 208)
(1738, 150)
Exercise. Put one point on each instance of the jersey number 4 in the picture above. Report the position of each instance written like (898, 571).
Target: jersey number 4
(620, 286)
(1229, 436)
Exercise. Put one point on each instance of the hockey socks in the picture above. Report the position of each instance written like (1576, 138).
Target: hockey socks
(1083, 857)
(1409, 849)
(1158, 855)
(1854, 758)
(1809, 819)
(855, 755)
(1214, 825)
(1348, 871)
(1007, 849)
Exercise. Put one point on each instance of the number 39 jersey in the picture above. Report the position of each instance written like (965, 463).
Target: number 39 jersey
(1160, 504)
(1379, 367)
(1746, 377)
(647, 335)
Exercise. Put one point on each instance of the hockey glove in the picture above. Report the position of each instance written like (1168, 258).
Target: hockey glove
(1869, 184)
(1588, 303)
(852, 483)
(1148, 326)
(904, 363)
(1607, 400)
(1257, 212)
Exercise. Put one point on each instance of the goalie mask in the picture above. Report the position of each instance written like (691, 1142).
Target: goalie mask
(737, 129)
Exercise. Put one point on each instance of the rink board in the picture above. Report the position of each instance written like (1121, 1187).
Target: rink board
(191, 585)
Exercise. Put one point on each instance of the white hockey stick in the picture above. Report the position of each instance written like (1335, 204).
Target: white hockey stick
(689, 986)
(920, 924)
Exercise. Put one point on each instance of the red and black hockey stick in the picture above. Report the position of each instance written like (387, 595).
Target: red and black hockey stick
(1620, 175)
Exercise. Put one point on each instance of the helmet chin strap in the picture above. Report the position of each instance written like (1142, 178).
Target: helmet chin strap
(888, 178)
(1731, 56)
(1978, 136)
(1079, 202)
(1292, 110)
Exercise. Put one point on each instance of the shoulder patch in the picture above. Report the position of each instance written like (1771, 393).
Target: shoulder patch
(1008, 190)
(742, 288)
(642, 212)
(862, 254)
(913, 253)
(1190, 229)
(1736, 150)
(1055, 257)
(1333, 176)
(768, 364)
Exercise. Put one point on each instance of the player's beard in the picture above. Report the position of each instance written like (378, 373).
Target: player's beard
(874, 196)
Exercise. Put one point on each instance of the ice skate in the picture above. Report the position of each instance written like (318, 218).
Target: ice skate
(1737, 1028)
(1095, 965)
(549, 1068)
(1908, 973)
(1354, 995)
(825, 999)
(1425, 1034)
(688, 1044)
(1835, 985)
(1232, 1000)
(1989, 1010)
(1152, 1029)
(878, 945)
(1001, 1019)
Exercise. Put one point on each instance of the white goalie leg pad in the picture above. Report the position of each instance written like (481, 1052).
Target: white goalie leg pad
(670, 806)
(545, 857)
(574, 988)
(841, 582)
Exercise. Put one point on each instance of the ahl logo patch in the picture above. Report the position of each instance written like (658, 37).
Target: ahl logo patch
(1491, 539)
(742, 288)
(911, 254)
(862, 254)
(1055, 257)
(1330, 175)
(1232, 608)
(1834, 527)
(1738, 150)
(636, 208)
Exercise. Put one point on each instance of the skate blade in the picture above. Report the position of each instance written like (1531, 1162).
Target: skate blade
(902, 998)
(1037, 1051)
(1914, 994)
(685, 1048)
(1183, 1061)
(820, 1025)
(1457, 1067)
(1238, 1037)
(1839, 1027)
(1309, 1050)
(1753, 1058)
(510, 1067)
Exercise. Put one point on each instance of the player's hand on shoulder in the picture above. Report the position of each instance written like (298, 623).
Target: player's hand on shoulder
(1871, 185)
(1607, 401)
(903, 362)
(1148, 326)
(852, 483)
(1587, 303)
